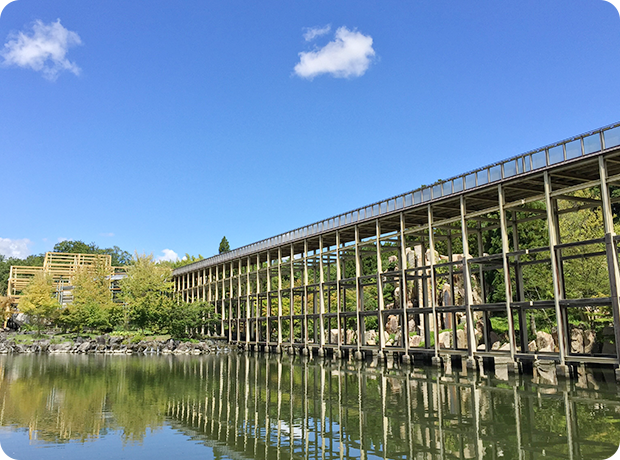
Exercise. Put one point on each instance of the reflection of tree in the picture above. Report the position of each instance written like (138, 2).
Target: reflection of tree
(252, 404)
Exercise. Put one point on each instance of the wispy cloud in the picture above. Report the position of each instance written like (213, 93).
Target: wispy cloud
(348, 55)
(108, 235)
(168, 254)
(15, 248)
(313, 32)
(42, 49)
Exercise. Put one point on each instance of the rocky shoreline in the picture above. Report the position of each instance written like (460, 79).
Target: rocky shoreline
(117, 345)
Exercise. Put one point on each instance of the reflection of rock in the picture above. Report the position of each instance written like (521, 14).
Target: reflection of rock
(544, 342)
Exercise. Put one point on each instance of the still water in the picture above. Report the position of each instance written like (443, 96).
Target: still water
(283, 407)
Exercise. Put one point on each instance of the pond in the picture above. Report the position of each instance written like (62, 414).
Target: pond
(231, 406)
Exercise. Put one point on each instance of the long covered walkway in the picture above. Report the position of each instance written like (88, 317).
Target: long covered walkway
(515, 261)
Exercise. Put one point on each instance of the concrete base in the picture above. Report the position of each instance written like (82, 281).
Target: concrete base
(278, 350)
(436, 360)
(618, 375)
(320, 352)
(470, 364)
(305, 351)
(407, 359)
(338, 354)
(562, 370)
(381, 355)
(358, 355)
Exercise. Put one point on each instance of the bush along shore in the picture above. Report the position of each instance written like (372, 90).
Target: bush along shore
(106, 344)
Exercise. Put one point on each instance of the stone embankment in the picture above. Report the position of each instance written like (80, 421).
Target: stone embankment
(114, 345)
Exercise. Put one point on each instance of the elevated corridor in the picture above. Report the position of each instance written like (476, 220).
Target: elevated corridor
(397, 277)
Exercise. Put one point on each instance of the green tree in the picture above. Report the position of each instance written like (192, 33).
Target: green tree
(38, 301)
(119, 257)
(224, 246)
(92, 305)
(146, 290)
(189, 320)
(35, 260)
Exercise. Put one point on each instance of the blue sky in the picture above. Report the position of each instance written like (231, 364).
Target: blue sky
(156, 125)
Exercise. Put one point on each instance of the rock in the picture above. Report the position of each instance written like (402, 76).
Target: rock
(461, 338)
(333, 336)
(411, 326)
(64, 347)
(544, 342)
(445, 339)
(415, 341)
(505, 347)
(392, 326)
(589, 338)
(370, 337)
(494, 338)
(101, 340)
(84, 347)
(17, 320)
(608, 348)
(532, 346)
(576, 340)
(116, 340)
(351, 336)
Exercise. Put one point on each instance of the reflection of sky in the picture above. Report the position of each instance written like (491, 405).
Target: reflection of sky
(165, 443)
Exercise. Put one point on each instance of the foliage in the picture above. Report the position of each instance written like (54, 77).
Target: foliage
(119, 257)
(186, 260)
(224, 246)
(187, 320)
(5, 267)
(38, 301)
(146, 290)
(92, 305)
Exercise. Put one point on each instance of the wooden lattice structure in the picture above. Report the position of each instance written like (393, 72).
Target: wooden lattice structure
(62, 267)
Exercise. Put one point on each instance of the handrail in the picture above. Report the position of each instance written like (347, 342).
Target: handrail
(564, 151)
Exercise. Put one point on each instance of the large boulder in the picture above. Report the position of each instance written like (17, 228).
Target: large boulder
(589, 339)
(544, 342)
(392, 326)
(370, 337)
(445, 339)
(576, 340)
(17, 320)
(415, 341)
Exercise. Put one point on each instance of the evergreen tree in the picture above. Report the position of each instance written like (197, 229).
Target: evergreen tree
(224, 246)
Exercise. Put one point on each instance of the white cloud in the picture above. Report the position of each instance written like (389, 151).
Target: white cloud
(169, 255)
(313, 32)
(62, 238)
(109, 235)
(15, 248)
(348, 55)
(43, 50)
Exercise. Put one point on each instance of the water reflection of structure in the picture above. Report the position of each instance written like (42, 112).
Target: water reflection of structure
(335, 409)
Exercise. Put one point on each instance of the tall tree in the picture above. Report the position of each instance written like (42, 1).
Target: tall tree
(224, 246)
(92, 305)
(38, 301)
(146, 290)
(119, 257)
